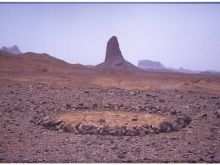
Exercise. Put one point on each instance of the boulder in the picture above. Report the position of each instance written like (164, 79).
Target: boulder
(86, 129)
(217, 113)
(180, 122)
(165, 127)
(69, 128)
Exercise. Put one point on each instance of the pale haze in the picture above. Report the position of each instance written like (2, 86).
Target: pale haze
(177, 35)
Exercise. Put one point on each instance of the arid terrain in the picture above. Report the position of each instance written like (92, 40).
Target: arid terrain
(52, 111)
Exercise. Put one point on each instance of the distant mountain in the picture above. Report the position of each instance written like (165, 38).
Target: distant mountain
(148, 64)
(210, 72)
(157, 66)
(13, 50)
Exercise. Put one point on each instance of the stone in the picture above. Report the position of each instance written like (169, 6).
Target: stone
(132, 131)
(123, 130)
(173, 112)
(101, 120)
(216, 159)
(51, 123)
(165, 127)
(107, 106)
(86, 129)
(42, 102)
(202, 116)
(45, 118)
(134, 119)
(95, 105)
(154, 130)
(214, 97)
(68, 106)
(80, 104)
(132, 93)
(111, 130)
(122, 154)
(180, 122)
(39, 121)
(143, 130)
(69, 128)
(217, 113)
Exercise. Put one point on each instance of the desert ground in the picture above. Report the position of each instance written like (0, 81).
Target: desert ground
(52, 111)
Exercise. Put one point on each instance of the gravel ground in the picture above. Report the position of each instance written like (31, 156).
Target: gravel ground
(21, 140)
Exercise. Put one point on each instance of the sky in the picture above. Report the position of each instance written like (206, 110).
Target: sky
(177, 35)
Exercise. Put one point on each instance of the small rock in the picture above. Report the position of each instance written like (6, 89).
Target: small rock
(214, 97)
(107, 106)
(123, 130)
(95, 105)
(161, 100)
(50, 123)
(134, 119)
(217, 113)
(122, 154)
(111, 92)
(39, 121)
(86, 129)
(69, 128)
(180, 122)
(108, 130)
(132, 131)
(68, 106)
(43, 102)
(179, 96)
(143, 130)
(173, 112)
(165, 127)
(216, 159)
(80, 104)
(132, 93)
(101, 120)
(202, 116)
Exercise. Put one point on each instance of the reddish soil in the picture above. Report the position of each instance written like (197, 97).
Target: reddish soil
(36, 86)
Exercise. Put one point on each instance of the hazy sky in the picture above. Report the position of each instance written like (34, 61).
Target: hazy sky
(177, 35)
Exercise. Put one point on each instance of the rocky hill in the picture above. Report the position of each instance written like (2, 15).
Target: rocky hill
(35, 62)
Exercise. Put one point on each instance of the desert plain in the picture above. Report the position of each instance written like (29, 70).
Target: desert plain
(53, 111)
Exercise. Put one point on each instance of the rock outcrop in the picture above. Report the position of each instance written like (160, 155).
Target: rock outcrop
(148, 64)
(114, 58)
(13, 50)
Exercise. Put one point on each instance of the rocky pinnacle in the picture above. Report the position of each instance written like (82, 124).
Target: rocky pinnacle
(113, 52)
(114, 58)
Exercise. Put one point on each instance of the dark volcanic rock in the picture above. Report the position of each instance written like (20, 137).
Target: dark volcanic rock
(114, 58)
(113, 52)
(180, 122)
(165, 127)
(217, 113)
